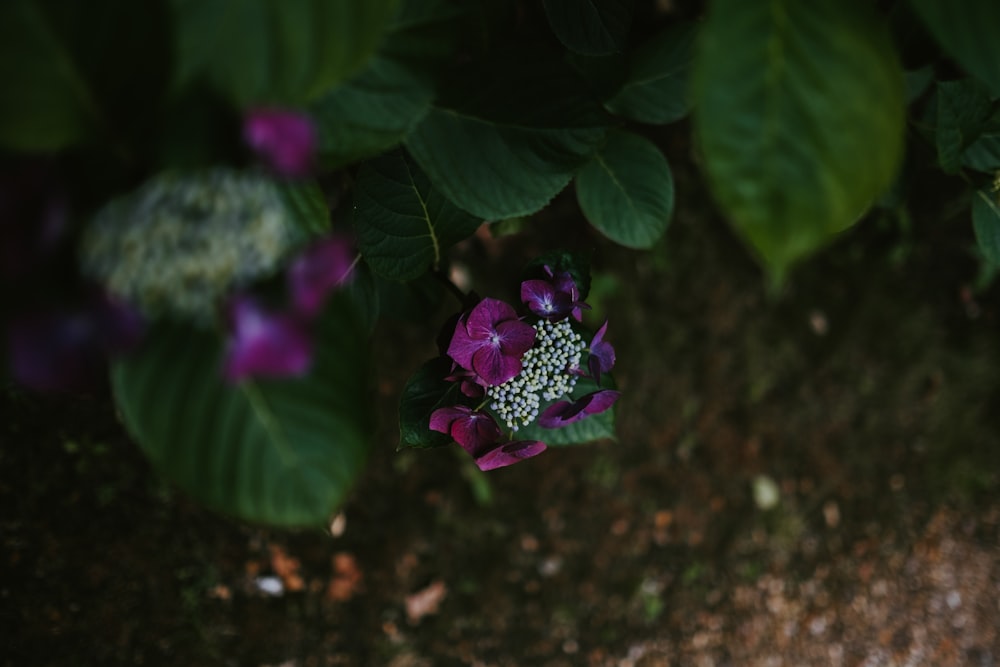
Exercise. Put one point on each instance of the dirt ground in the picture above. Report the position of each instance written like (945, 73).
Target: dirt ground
(860, 403)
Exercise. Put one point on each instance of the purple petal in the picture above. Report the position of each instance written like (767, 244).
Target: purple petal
(442, 418)
(474, 431)
(265, 344)
(563, 412)
(516, 337)
(510, 453)
(285, 140)
(602, 354)
(462, 346)
(493, 366)
(486, 315)
(317, 270)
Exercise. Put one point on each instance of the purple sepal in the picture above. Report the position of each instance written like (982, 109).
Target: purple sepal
(509, 453)
(602, 354)
(544, 300)
(490, 341)
(265, 344)
(285, 140)
(475, 431)
(317, 270)
(565, 412)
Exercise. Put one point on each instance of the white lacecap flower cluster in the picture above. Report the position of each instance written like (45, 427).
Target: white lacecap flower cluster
(545, 374)
(180, 243)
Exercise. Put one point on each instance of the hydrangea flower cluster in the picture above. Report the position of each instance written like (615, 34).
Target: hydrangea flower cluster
(181, 242)
(516, 368)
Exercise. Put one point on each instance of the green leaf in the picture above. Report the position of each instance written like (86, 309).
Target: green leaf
(306, 207)
(986, 223)
(403, 224)
(595, 427)
(590, 27)
(370, 113)
(426, 391)
(48, 104)
(984, 153)
(967, 31)
(377, 108)
(799, 113)
(627, 191)
(280, 452)
(963, 108)
(656, 90)
(258, 51)
(510, 137)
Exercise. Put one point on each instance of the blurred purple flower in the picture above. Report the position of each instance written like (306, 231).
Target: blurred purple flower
(565, 412)
(602, 354)
(65, 350)
(471, 384)
(56, 351)
(264, 343)
(509, 453)
(475, 431)
(491, 340)
(286, 140)
(317, 270)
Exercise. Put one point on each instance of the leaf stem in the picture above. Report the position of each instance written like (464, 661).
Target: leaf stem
(452, 287)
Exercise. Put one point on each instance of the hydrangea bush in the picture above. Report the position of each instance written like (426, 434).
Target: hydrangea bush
(217, 201)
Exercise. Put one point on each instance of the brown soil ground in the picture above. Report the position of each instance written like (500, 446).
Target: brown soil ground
(866, 391)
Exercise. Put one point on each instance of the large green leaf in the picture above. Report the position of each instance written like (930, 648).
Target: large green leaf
(402, 223)
(986, 223)
(48, 104)
(258, 51)
(967, 31)
(370, 113)
(375, 110)
(626, 190)
(963, 108)
(656, 90)
(509, 136)
(799, 112)
(279, 452)
(590, 27)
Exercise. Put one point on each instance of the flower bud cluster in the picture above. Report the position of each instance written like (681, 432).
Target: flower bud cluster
(180, 243)
(545, 374)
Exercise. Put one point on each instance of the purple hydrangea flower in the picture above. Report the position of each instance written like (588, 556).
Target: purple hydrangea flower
(55, 351)
(555, 298)
(544, 300)
(265, 344)
(286, 140)
(602, 354)
(565, 412)
(509, 453)
(491, 340)
(67, 350)
(475, 431)
(478, 434)
(320, 268)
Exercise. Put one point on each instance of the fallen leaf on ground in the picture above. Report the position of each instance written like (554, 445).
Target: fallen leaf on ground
(425, 601)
